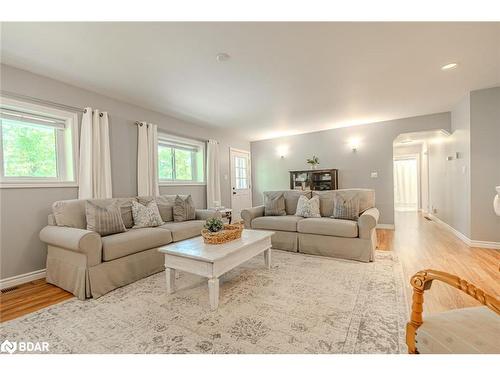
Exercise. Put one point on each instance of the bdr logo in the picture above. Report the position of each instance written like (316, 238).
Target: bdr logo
(23, 346)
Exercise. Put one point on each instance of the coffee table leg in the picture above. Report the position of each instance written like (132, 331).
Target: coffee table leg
(170, 278)
(267, 258)
(213, 292)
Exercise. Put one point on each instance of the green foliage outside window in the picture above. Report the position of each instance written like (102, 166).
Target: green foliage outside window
(28, 150)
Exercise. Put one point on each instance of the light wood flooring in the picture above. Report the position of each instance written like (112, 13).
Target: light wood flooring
(419, 244)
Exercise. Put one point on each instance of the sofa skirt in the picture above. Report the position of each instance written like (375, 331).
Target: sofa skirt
(68, 270)
(284, 240)
(338, 247)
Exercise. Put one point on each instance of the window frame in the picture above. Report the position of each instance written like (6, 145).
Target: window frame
(66, 148)
(168, 138)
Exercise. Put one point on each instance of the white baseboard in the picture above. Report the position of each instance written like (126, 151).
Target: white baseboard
(21, 279)
(385, 226)
(464, 238)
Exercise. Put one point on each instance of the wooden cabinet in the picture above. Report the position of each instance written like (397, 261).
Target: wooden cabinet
(314, 179)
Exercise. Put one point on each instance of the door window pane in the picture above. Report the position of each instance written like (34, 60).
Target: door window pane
(240, 165)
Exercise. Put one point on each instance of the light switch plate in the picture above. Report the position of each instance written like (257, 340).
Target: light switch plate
(374, 175)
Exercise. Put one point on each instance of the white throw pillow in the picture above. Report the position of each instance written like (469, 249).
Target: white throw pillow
(308, 207)
(146, 215)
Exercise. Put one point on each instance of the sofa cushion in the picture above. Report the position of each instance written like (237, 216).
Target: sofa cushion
(326, 198)
(104, 220)
(346, 208)
(325, 202)
(133, 241)
(184, 208)
(71, 213)
(165, 205)
(274, 204)
(286, 223)
(308, 207)
(469, 330)
(146, 215)
(328, 227)
(184, 229)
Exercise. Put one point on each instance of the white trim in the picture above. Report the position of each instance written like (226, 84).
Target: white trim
(463, 237)
(21, 279)
(67, 147)
(166, 184)
(38, 185)
(386, 226)
(239, 150)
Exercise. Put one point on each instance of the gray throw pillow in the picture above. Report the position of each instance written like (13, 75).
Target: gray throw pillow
(146, 216)
(346, 208)
(104, 219)
(184, 208)
(274, 205)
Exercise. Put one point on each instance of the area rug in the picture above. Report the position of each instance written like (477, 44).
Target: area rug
(303, 304)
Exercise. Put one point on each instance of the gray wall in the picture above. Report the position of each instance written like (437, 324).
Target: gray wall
(485, 163)
(375, 153)
(462, 189)
(24, 211)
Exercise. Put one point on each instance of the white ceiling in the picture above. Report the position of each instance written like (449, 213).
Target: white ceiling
(282, 78)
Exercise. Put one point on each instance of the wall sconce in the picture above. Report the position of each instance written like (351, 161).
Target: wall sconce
(282, 151)
(354, 144)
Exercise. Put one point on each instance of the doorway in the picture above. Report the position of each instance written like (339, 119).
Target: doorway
(241, 189)
(406, 183)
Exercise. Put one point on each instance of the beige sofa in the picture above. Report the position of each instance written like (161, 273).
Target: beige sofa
(88, 265)
(321, 236)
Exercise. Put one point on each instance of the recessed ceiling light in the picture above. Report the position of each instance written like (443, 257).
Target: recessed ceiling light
(449, 66)
(220, 57)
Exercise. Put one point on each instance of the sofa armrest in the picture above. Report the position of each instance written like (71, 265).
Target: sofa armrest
(74, 239)
(367, 222)
(206, 214)
(248, 214)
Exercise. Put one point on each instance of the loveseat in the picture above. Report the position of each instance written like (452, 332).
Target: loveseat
(325, 236)
(89, 265)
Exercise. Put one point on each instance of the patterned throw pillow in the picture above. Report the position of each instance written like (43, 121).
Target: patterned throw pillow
(104, 219)
(184, 209)
(346, 208)
(308, 207)
(146, 215)
(274, 205)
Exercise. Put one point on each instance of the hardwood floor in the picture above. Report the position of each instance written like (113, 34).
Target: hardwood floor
(419, 244)
(30, 297)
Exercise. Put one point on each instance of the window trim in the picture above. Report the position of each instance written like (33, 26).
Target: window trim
(71, 122)
(168, 138)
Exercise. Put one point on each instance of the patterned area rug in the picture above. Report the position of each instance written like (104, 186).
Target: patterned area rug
(304, 304)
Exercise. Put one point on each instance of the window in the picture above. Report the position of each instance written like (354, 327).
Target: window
(36, 145)
(180, 160)
(241, 172)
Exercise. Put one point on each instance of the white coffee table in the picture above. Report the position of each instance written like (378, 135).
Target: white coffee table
(211, 261)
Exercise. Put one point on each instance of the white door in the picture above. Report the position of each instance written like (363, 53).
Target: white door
(241, 190)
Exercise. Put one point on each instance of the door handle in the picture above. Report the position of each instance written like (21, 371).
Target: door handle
(234, 192)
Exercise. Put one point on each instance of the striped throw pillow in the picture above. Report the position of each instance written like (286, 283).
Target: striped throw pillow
(346, 208)
(104, 219)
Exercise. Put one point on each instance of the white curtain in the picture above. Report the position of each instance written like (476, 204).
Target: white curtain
(95, 160)
(213, 173)
(147, 160)
(405, 185)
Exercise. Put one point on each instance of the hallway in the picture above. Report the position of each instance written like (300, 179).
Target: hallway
(422, 244)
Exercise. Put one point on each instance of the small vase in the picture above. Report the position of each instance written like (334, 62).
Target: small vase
(313, 166)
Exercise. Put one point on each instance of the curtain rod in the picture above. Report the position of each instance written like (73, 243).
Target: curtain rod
(14, 95)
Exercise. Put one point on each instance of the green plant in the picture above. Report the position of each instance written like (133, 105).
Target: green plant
(214, 224)
(313, 161)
